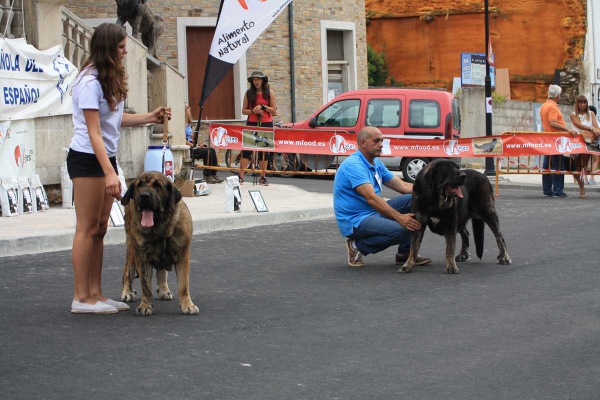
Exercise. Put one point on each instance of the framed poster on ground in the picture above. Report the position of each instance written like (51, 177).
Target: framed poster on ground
(259, 202)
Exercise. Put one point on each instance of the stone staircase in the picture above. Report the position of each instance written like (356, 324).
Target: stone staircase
(152, 83)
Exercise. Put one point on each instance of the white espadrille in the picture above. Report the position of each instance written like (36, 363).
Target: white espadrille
(98, 308)
(116, 304)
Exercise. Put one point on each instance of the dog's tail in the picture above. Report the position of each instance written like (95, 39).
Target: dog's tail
(478, 229)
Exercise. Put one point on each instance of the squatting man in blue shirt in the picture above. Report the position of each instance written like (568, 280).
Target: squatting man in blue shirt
(371, 223)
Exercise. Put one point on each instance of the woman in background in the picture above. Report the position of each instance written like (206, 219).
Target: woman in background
(595, 157)
(260, 106)
(584, 120)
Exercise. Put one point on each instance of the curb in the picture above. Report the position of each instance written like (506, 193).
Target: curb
(116, 235)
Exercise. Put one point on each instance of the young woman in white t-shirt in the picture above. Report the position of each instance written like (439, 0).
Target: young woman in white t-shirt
(98, 97)
(585, 119)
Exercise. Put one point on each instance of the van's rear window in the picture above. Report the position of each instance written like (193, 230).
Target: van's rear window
(455, 115)
(384, 113)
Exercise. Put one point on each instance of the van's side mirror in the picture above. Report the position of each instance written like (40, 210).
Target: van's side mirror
(313, 122)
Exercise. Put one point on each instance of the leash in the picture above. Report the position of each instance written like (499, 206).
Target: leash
(165, 121)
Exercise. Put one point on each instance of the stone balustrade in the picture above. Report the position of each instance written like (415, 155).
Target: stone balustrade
(11, 19)
(76, 37)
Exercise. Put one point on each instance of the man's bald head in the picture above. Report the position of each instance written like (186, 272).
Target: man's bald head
(366, 132)
(370, 142)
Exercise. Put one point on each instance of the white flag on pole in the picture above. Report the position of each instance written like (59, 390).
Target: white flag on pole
(240, 23)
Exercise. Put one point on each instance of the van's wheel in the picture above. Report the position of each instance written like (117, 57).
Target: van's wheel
(232, 158)
(412, 166)
(299, 164)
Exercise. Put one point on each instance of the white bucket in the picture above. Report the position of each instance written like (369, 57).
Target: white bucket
(233, 195)
(154, 161)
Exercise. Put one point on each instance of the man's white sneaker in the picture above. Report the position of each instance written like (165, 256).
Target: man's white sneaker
(98, 308)
(116, 304)
(354, 255)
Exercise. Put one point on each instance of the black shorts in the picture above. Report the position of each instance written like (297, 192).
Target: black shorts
(86, 165)
(247, 154)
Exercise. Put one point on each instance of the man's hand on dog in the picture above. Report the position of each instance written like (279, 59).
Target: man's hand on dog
(408, 221)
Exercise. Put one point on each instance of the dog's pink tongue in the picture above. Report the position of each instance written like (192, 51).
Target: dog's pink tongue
(147, 218)
(458, 192)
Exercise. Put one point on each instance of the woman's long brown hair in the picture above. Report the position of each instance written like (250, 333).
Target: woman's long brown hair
(253, 93)
(582, 98)
(104, 57)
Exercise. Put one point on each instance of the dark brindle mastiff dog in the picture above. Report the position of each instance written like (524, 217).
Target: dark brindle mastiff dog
(158, 226)
(445, 199)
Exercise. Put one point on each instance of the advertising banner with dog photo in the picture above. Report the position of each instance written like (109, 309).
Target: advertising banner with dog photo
(241, 137)
(339, 142)
(34, 83)
(240, 23)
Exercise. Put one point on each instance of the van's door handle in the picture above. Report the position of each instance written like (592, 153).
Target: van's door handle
(350, 131)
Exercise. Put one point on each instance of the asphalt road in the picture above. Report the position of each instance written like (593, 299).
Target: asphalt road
(282, 316)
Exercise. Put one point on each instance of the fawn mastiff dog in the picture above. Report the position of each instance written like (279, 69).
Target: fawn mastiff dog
(158, 227)
(445, 198)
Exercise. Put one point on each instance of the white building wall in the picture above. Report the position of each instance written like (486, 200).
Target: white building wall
(590, 84)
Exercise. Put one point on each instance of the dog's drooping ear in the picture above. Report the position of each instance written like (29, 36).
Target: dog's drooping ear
(174, 193)
(129, 193)
(429, 174)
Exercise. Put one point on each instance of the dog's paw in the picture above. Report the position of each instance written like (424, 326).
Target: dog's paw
(463, 256)
(129, 297)
(144, 310)
(452, 269)
(167, 296)
(504, 259)
(405, 269)
(190, 309)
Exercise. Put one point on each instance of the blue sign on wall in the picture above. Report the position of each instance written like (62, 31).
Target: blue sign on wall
(472, 70)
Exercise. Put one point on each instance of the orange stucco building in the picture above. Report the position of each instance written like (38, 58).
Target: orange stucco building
(531, 38)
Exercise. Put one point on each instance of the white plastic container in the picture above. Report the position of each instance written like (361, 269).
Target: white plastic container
(39, 193)
(26, 197)
(233, 195)
(154, 161)
(9, 197)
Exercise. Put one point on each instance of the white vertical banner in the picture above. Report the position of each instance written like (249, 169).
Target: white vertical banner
(34, 83)
(240, 23)
(17, 148)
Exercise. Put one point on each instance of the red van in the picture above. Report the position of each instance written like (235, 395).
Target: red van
(398, 113)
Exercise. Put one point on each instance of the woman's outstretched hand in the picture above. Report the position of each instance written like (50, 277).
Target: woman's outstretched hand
(156, 115)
